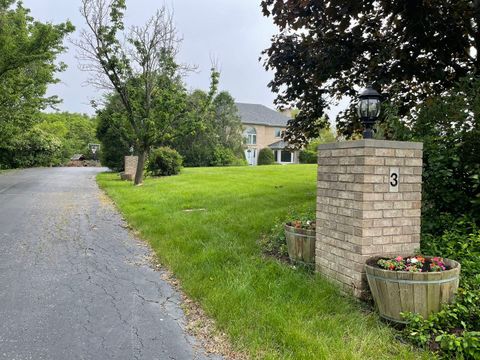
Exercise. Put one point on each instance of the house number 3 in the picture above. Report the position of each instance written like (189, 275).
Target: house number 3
(394, 179)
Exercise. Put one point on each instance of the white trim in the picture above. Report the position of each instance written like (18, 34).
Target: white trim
(251, 160)
(278, 160)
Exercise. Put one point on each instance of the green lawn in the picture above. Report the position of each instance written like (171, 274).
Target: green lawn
(268, 309)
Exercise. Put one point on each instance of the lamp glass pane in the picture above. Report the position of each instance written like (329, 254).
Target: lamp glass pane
(363, 108)
(373, 108)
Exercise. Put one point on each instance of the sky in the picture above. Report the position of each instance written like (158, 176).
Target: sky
(234, 32)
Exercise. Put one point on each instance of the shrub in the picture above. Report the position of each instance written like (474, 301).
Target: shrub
(223, 156)
(454, 332)
(449, 127)
(164, 162)
(308, 157)
(32, 148)
(310, 153)
(266, 157)
(462, 243)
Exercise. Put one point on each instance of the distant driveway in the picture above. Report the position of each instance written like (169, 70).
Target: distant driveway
(74, 283)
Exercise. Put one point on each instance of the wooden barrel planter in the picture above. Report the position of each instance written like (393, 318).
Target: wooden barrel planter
(418, 292)
(300, 244)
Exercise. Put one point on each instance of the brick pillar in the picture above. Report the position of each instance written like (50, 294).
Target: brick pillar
(368, 204)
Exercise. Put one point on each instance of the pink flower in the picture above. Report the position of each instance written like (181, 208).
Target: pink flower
(399, 258)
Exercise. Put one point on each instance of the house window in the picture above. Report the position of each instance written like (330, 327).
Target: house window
(286, 157)
(278, 132)
(250, 135)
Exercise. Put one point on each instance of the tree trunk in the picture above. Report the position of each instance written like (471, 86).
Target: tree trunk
(140, 168)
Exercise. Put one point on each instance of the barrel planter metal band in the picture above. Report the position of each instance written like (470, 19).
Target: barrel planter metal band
(423, 293)
(300, 244)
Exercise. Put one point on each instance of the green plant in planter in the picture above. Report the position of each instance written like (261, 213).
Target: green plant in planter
(274, 243)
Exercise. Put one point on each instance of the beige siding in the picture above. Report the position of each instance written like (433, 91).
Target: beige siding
(266, 137)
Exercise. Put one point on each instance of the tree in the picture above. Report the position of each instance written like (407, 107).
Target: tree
(228, 125)
(28, 53)
(115, 133)
(31, 148)
(142, 70)
(74, 131)
(449, 127)
(211, 134)
(411, 50)
(309, 155)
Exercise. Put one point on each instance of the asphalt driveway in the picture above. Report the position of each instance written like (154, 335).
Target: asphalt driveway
(74, 283)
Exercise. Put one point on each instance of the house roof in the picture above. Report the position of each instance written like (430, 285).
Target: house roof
(279, 145)
(261, 115)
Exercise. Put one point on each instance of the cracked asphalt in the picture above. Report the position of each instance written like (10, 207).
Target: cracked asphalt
(74, 283)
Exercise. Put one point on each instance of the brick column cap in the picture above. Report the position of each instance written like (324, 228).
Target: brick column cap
(370, 143)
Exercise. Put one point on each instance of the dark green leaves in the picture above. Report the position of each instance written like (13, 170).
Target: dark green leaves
(330, 49)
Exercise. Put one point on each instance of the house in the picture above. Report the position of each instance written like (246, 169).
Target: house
(264, 128)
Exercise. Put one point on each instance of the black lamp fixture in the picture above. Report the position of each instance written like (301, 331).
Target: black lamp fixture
(369, 107)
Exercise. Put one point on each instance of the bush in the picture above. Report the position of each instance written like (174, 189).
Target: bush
(32, 148)
(454, 332)
(308, 157)
(449, 127)
(310, 153)
(223, 156)
(266, 157)
(164, 162)
(462, 243)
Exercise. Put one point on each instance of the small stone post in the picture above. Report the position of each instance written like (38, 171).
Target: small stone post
(368, 204)
(131, 163)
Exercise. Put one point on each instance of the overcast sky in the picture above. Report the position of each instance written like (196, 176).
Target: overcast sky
(232, 31)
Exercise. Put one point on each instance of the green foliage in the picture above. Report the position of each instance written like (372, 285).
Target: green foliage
(214, 136)
(142, 70)
(33, 148)
(455, 330)
(449, 127)
(28, 53)
(309, 155)
(274, 243)
(74, 131)
(460, 242)
(266, 157)
(164, 162)
(225, 157)
(391, 43)
(115, 134)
